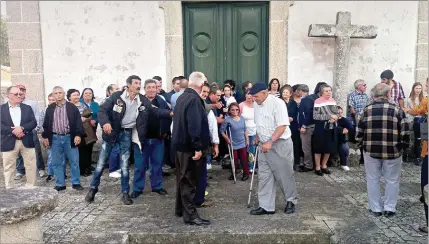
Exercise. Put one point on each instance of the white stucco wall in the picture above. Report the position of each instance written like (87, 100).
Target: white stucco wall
(311, 59)
(94, 44)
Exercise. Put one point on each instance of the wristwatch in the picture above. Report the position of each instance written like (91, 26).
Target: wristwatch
(270, 139)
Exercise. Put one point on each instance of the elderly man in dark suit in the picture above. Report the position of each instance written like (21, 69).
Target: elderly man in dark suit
(17, 125)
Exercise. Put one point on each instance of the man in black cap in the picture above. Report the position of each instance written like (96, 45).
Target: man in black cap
(397, 93)
(275, 151)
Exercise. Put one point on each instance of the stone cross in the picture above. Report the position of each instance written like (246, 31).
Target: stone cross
(343, 30)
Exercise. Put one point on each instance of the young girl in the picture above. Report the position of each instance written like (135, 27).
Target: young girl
(227, 97)
(239, 141)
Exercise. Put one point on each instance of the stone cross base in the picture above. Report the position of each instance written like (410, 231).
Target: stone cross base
(27, 231)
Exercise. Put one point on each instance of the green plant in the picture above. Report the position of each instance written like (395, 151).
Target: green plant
(4, 47)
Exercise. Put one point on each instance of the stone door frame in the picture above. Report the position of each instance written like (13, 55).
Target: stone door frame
(277, 39)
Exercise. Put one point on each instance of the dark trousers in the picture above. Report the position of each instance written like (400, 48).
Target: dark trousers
(200, 192)
(242, 155)
(167, 151)
(343, 152)
(297, 147)
(417, 139)
(187, 171)
(424, 181)
(223, 148)
(85, 157)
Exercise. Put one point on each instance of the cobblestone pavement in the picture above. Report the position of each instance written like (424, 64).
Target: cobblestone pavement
(336, 203)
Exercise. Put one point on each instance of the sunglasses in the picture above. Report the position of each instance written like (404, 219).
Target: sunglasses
(17, 94)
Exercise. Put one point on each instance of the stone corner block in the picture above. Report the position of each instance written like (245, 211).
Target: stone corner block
(422, 56)
(423, 33)
(421, 75)
(24, 36)
(15, 58)
(34, 84)
(30, 11)
(33, 61)
(13, 11)
(423, 10)
(279, 10)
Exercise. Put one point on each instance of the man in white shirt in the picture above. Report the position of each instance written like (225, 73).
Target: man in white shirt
(20, 171)
(275, 151)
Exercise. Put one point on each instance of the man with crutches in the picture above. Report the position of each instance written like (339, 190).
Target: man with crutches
(275, 152)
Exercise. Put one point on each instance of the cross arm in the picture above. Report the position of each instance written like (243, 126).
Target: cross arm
(363, 31)
(322, 30)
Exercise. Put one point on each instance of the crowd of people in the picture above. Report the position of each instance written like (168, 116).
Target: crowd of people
(198, 122)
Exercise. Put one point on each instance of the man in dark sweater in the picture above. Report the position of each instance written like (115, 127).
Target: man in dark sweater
(306, 122)
(191, 139)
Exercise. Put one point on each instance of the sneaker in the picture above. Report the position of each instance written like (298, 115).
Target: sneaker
(115, 174)
(206, 193)
(345, 168)
(42, 173)
(209, 166)
(49, 178)
(18, 176)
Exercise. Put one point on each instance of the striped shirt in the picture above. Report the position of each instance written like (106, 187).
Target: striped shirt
(61, 121)
(324, 109)
(397, 93)
(271, 114)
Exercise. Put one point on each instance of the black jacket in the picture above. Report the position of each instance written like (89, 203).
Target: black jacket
(75, 122)
(28, 121)
(191, 127)
(305, 113)
(145, 109)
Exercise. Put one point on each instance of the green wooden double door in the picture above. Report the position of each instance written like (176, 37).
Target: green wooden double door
(227, 41)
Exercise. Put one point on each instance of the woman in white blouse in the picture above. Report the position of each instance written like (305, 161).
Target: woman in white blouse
(248, 113)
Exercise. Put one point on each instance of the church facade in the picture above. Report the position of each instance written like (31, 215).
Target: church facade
(93, 44)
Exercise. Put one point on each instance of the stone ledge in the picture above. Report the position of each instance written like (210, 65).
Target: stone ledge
(21, 204)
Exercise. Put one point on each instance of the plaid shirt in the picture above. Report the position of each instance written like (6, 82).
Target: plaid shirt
(383, 130)
(357, 101)
(397, 93)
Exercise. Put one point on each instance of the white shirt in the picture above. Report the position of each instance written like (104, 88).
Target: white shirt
(135, 137)
(249, 117)
(15, 114)
(214, 136)
(271, 114)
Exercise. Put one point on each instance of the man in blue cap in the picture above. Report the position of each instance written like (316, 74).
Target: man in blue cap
(275, 151)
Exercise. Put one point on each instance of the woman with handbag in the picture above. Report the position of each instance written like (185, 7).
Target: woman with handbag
(86, 146)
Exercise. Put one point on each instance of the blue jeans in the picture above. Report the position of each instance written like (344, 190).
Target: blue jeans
(39, 158)
(153, 155)
(50, 166)
(124, 141)
(114, 159)
(251, 149)
(200, 189)
(60, 148)
(343, 151)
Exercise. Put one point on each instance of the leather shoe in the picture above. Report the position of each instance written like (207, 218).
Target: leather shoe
(135, 194)
(389, 214)
(290, 208)
(246, 177)
(318, 172)
(49, 178)
(304, 169)
(161, 191)
(91, 195)
(376, 214)
(261, 211)
(60, 188)
(77, 187)
(126, 199)
(198, 221)
(178, 215)
(326, 171)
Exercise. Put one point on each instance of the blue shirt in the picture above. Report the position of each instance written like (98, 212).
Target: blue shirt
(174, 98)
(238, 128)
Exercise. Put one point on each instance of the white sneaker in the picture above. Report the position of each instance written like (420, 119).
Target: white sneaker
(42, 173)
(345, 168)
(116, 174)
(18, 176)
(209, 166)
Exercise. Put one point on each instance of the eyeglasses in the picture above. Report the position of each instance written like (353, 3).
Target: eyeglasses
(363, 84)
(17, 94)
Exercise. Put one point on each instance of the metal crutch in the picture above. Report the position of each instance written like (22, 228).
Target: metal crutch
(231, 154)
(253, 174)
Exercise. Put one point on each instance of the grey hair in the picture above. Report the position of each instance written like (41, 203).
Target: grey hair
(323, 86)
(149, 81)
(380, 90)
(57, 88)
(358, 82)
(196, 79)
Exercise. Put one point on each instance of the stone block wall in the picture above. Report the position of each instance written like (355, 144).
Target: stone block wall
(25, 48)
(422, 43)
